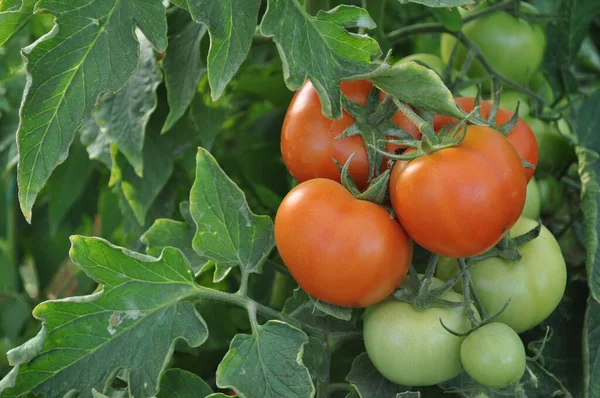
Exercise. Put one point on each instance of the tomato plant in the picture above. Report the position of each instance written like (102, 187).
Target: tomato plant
(493, 355)
(484, 206)
(198, 198)
(534, 284)
(316, 234)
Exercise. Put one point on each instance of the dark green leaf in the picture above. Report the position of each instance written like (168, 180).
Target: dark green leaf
(416, 85)
(123, 117)
(312, 357)
(14, 14)
(449, 17)
(267, 364)
(588, 123)
(369, 382)
(178, 234)
(92, 49)
(85, 340)
(320, 48)
(142, 192)
(231, 25)
(537, 382)
(227, 231)
(182, 64)
(67, 183)
(591, 349)
(177, 383)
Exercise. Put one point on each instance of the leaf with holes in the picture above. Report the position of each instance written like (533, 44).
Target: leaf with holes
(132, 323)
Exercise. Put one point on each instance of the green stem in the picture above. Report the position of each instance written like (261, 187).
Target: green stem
(277, 266)
(477, 300)
(283, 287)
(467, 291)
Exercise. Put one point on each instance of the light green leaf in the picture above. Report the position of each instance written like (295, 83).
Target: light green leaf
(142, 192)
(369, 382)
(416, 85)
(178, 234)
(97, 144)
(231, 25)
(591, 349)
(589, 173)
(320, 48)
(132, 324)
(92, 49)
(227, 230)
(14, 14)
(123, 117)
(177, 383)
(67, 183)
(182, 64)
(267, 364)
(439, 3)
(312, 357)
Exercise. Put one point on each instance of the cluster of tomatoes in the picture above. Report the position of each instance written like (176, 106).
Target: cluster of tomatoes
(456, 201)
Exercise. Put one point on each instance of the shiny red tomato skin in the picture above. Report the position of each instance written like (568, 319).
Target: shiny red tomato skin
(308, 142)
(339, 249)
(521, 136)
(460, 201)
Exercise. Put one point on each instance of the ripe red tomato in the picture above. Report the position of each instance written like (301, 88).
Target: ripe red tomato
(460, 201)
(308, 142)
(521, 136)
(339, 249)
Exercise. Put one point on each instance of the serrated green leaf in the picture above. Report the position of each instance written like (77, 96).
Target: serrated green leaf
(123, 117)
(67, 183)
(267, 364)
(14, 14)
(439, 3)
(231, 25)
(132, 324)
(449, 17)
(369, 382)
(142, 192)
(591, 349)
(178, 234)
(416, 85)
(178, 383)
(96, 142)
(227, 230)
(182, 64)
(320, 48)
(343, 313)
(92, 49)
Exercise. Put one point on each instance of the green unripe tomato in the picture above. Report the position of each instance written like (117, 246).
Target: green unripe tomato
(551, 195)
(430, 60)
(411, 347)
(509, 100)
(512, 46)
(533, 203)
(494, 355)
(555, 151)
(535, 284)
